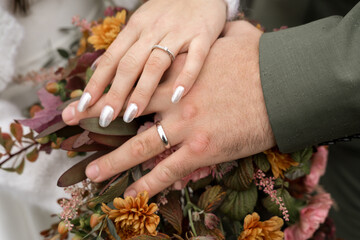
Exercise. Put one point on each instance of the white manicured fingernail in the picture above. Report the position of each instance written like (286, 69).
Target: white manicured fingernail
(178, 93)
(84, 102)
(130, 113)
(106, 116)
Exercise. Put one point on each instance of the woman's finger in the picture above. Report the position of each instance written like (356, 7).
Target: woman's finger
(105, 68)
(159, 61)
(198, 50)
(138, 149)
(159, 102)
(130, 67)
(173, 168)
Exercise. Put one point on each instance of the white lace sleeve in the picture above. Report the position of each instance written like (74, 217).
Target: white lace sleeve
(232, 8)
(11, 34)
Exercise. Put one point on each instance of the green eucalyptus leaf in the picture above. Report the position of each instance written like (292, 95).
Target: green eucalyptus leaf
(112, 229)
(52, 129)
(89, 73)
(115, 190)
(238, 204)
(116, 128)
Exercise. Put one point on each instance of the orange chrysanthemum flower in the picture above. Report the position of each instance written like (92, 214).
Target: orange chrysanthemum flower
(133, 216)
(104, 34)
(254, 229)
(279, 162)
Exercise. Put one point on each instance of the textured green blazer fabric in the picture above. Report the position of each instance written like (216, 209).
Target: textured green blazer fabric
(310, 76)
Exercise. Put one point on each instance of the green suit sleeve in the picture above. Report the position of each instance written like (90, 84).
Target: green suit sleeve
(310, 77)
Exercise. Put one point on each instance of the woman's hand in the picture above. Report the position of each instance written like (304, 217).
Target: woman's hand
(223, 118)
(179, 25)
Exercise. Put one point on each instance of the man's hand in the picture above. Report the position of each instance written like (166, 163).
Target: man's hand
(223, 118)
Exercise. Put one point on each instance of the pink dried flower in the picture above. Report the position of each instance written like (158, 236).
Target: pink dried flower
(83, 24)
(267, 185)
(71, 206)
(318, 167)
(111, 11)
(211, 220)
(311, 216)
(43, 75)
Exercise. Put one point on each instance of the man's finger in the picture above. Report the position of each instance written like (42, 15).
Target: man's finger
(135, 151)
(173, 168)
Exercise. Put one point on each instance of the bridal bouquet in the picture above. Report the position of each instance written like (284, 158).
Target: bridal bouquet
(270, 195)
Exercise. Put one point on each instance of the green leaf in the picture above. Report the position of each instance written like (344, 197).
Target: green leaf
(77, 172)
(112, 229)
(17, 131)
(20, 169)
(116, 128)
(211, 199)
(96, 228)
(30, 135)
(172, 211)
(9, 145)
(238, 204)
(115, 190)
(261, 162)
(63, 53)
(52, 129)
(303, 155)
(136, 172)
(9, 169)
(201, 183)
(33, 155)
(241, 177)
(292, 205)
(89, 73)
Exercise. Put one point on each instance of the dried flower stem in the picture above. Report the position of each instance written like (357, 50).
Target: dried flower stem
(190, 206)
(17, 153)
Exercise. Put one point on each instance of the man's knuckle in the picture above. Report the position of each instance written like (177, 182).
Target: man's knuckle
(141, 148)
(201, 143)
(166, 174)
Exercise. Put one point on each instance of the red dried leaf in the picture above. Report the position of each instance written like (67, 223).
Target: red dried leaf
(77, 172)
(20, 169)
(75, 83)
(17, 131)
(111, 141)
(46, 117)
(82, 139)
(172, 211)
(33, 155)
(69, 143)
(80, 64)
(9, 145)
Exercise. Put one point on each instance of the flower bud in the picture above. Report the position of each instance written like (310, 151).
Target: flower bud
(52, 87)
(91, 205)
(57, 144)
(95, 220)
(34, 109)
(76, 93)
(72, 154)
(43, 140)
(62, 228)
